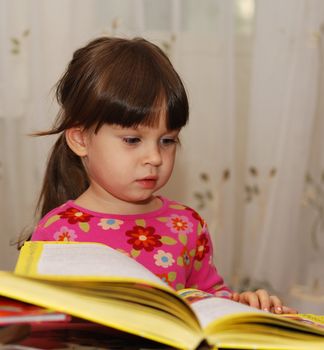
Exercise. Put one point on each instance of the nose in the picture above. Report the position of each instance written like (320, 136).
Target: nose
(153, 155)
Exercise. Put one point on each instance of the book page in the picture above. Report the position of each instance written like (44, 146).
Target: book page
(208, 308)
(79, 259)
(310, 319)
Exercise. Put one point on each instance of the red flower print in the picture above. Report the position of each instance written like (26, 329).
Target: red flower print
(202, 247)
(196, 216)
(74, 215)
(179, 223)
(64, 234)
(144, 238)
(64, 237)
(185, 256)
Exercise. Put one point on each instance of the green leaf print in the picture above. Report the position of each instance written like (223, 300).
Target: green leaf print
(135, 253)
(199, 229)
(183, 238)
(172, 276)
(168, 240)
(140, 222)
(84, 226)
(179, 286)
(197, 265)
(180, 261)
(51, 220)
(177, 206)
(162, 219)
(192, 252)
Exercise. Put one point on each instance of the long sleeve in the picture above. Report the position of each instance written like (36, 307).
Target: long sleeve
(204, 274)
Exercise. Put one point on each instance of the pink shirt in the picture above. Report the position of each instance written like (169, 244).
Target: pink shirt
(173, 241)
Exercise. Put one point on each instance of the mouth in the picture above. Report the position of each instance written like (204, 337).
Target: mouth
(148, 182)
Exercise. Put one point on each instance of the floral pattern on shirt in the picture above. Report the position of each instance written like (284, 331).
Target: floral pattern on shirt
(113, 224)
(74, 216)
(196, 216)
(202, 247)
(163, 258)
(65, 234)
(173, 242)
(144, 238)
(168, 278)
(179, 223)
(184, 259)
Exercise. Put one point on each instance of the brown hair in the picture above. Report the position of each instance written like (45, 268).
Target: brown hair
(108, 81)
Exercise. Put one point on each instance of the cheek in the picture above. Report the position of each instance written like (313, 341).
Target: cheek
(98, 161)
(110, 163)
(169, 159)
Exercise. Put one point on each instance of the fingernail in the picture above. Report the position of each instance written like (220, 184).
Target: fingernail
(279, 309)
(266, 309)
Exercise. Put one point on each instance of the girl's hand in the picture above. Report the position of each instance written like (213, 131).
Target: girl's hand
(262, 300)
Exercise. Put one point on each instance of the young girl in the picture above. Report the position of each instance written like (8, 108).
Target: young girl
(122, 108)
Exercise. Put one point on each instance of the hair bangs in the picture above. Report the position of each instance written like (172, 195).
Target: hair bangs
(139, 88)
(145, 111)
(129, 107)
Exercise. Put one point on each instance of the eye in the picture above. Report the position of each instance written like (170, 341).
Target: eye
(131, 140)
(166, 141)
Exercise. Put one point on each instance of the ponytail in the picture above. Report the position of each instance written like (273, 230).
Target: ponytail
(65, 178)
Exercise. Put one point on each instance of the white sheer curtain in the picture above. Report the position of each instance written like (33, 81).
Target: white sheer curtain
(283, 103)
(253, 73)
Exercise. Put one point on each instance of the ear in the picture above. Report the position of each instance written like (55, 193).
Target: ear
(76, 138)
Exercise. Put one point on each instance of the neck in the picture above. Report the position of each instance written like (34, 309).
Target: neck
(94, 202)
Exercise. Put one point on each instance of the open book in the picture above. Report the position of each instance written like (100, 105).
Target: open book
(102, 285)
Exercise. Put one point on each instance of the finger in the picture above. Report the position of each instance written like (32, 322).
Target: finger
(264, 299)
(250, 298)
(235, 296)
(276, 305)
(289, 310)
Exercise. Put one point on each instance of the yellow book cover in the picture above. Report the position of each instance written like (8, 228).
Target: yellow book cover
(99, 284)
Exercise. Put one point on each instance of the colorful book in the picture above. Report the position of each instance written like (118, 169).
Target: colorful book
(15, 311)
(99, 284)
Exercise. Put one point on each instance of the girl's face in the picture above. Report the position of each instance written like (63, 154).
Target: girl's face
(129, 164)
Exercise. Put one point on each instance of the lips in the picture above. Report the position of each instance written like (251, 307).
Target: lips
(148, 182)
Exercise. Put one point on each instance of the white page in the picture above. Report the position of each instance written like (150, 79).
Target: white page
(208, 310)
(91, 260)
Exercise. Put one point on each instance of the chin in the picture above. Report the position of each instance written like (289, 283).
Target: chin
(145, 199)
(137, 199)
